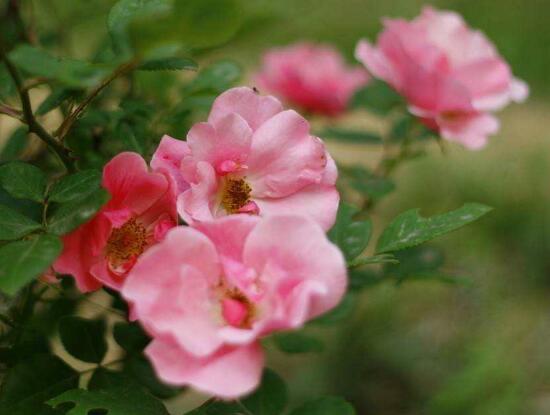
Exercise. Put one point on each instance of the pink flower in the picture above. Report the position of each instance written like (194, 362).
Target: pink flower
(140, 212)
(208, 294)
(452, 76)
(253, 157)
(313, 77)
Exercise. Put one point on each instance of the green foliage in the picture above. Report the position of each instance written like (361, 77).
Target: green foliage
(56, 98)
(14, 225)
(352, 237)
(410, 229)
(173, 63)
(140, 369)
(298, 342)
(33, 381)
(113, 395)
(23, 261)
(83, 338)
(329, 405)
(215, 78)
(70, 72)
(130, 336)
(75, 186)
(378, 97)
(15, 145)
(351, 136)
(365, 182)
(23, 180)
(68, 216)
(7, 87)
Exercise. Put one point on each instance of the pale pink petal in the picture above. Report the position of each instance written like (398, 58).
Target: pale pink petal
(471, 131)
(284, 157)
(519, 90)
(229, 373)
(167, 158)
(254, 108)
(196, 203)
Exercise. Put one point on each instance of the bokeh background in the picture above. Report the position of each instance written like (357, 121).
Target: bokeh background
(421, 347)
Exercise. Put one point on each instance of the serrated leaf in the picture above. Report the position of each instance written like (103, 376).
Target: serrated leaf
(33, 381)
(15, 145)
(72, 72)
(69, 216)
(115, 395)
(75, 186)
(23, 180)
(14, 225)
(83, 338)
(23, 261)
(169, 64)
(352, 237)
(298, 342)
(351, 136)
(329, 405)
(410, 229)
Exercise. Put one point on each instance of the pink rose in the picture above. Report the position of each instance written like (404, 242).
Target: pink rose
(140, 212)
(208, 294)
(452, 76)
(313, 77)
(253, 157)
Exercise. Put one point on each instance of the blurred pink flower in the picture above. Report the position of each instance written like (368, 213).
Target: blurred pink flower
(141, 210)
(252, 157)
(313, 77)
(451, 75)
(208, 294)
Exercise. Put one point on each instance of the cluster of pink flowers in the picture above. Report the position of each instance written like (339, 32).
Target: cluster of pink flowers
(258, 191)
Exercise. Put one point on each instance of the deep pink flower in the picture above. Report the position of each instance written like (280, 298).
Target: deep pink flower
(141, 210)
(253, 157)
(451, 75)
(208, 294)
(313, 77)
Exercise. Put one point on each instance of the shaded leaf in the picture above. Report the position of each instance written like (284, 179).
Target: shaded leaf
(75, 186)
(83, 338)
(15, 145)
(32, 382)
(410, 229)
(215, 78)
(141, 370)
(23, 261)
(14, 225)
(23, 180)
(378, 97)
(55, 99)
(270, 398)
(130, 336)
(169, 64)
(352, 237)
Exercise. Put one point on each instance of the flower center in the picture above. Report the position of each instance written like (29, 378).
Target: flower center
(126, 243)
(235, 194)
(237, 310)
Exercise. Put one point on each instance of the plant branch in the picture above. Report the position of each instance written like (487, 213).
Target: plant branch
(12, 112)
(67, 124)
(34, 126)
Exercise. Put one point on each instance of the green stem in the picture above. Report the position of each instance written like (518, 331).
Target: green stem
(34, 126)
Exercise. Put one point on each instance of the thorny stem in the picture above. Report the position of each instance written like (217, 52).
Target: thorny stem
(34, 126)
(67, 124)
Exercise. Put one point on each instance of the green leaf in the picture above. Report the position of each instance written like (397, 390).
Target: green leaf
(83, 338)
(366, 182)
(270, 398)
(23, 180)
(22, 261)
(351, 236)
(115, 394)
(351, 136)
(33, 381)
(69, 216)
(298, 342)
(71, 72)
(215, 78)
(75, 186)
(329, 405)
(14, 225)
(15, 145)
(377, 97)
(141, 370)
(55, 99)
(7, 87)
(410, 229)
(169, 64)
(130, 336)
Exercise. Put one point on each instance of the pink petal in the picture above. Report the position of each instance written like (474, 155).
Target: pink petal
(195, 204)
(470, 130)
(284, 157)
(254, 108)
(230, 373)
(167, 158)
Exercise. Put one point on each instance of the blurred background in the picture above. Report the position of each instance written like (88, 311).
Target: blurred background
(481, 347)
